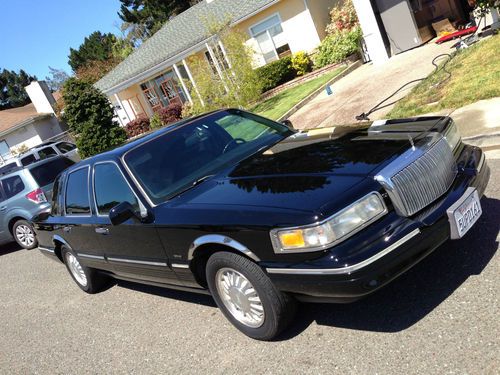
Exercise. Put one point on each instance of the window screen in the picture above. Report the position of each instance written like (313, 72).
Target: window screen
(77, 194)
(111, 188)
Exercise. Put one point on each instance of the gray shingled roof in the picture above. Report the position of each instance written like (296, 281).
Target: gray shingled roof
(177, 35)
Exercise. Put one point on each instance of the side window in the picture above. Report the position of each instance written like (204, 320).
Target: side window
(77, 194)
(65, 147)
(111, 188)
(46, 152)
(12, 186)
(56, 208)
(27, 160)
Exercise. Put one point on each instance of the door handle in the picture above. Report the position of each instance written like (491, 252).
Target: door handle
(101, 230)
(3, 208)
(67, 228)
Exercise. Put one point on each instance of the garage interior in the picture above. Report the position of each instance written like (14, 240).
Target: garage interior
(406, 24)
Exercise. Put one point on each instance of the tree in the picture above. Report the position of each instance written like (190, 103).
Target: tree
(57, 79)
(94, 70)
(142, 18)
(96, 46)
(89, 115)
(12, 84)
(237, 85)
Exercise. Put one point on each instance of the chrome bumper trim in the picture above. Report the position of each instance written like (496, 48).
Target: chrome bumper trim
(347, 269)
(121, 260)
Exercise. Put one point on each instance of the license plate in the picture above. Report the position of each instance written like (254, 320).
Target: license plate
(464, 213)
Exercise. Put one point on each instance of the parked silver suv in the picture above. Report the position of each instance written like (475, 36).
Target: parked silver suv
(25, 192)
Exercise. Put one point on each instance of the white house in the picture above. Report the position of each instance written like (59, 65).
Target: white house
(29, 126)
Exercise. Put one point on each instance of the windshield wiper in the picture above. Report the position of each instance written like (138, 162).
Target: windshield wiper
(190, 186)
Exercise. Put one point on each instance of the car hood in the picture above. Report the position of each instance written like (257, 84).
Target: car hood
(316, 171)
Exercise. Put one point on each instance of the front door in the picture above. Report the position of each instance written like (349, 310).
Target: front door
(133, 249)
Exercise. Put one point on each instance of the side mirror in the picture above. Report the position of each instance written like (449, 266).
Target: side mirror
(288, 124)
(121, 213)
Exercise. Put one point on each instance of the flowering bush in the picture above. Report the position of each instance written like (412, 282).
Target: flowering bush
(337, 47)
(301, 63)
(138, 126)
(171, 113)
(342, 17)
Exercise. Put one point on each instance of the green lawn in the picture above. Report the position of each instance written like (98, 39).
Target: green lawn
(475, 76)
(279, 104)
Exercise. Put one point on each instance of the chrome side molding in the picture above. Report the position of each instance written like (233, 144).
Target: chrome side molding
(220, 240)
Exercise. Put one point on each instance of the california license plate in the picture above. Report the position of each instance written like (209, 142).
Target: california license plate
(463, 214)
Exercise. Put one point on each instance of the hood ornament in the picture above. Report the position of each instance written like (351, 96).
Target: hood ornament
(411, 142)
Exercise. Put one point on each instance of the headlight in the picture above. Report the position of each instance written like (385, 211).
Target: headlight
(452, 136)
(332, 230)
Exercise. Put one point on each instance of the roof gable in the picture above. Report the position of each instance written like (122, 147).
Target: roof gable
(178, 35)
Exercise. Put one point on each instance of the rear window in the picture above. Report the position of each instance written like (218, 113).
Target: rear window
(46, 152)
(65, 147)
(12, 186)
(46, 173)
(27, 160)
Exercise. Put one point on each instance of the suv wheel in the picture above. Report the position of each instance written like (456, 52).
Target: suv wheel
(247, 297)
(24, 234)
(88, 279)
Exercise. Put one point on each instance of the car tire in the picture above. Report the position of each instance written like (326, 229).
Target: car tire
(88, 279)
(247, 297)
(24, 234)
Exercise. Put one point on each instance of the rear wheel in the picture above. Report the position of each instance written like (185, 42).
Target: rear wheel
(88, 279)
(247, 297)
(24, 234)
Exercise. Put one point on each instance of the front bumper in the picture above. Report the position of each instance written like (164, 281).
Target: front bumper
(383, 259)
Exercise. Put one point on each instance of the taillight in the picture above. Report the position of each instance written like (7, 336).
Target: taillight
(37, 196)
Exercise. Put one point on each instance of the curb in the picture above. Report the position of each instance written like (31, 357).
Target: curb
(314, 94)
(484, 141)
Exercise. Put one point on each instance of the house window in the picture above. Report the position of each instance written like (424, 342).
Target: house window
(163, 90)
(271, 38)
(4, 149)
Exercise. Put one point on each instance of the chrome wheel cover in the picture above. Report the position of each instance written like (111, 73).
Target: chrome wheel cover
(240, 297)
(76, 269)
(25, 235)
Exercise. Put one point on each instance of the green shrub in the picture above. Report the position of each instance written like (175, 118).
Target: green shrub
(337, 47)
(276, 73)
(155, 122)
(89, 115)
(301, 63)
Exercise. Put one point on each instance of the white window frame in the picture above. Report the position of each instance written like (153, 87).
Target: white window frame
(251, 33)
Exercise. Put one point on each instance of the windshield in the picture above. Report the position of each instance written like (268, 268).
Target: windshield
(170, 163)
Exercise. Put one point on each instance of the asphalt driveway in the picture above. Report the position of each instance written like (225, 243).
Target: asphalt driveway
(441, 317)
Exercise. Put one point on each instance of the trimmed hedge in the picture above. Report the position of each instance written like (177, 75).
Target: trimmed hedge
(276, 73)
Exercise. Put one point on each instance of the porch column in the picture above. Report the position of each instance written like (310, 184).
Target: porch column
(216, 63)
(176, 70)
(192, 81)
(123, 108)
(371, 31)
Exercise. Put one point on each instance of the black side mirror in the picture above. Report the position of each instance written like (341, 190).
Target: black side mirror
(121, 213)
(288, 124)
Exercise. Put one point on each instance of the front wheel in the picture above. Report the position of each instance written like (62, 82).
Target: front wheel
(247, 297)
(24, 234)
(88, 279)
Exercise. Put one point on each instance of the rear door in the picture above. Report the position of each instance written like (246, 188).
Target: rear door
(133, 248)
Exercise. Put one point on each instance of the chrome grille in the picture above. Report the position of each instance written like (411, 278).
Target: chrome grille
(425, 178)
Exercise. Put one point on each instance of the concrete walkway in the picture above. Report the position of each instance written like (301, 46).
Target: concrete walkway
(366, 86)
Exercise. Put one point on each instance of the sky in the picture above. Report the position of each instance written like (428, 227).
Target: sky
(36, 34)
